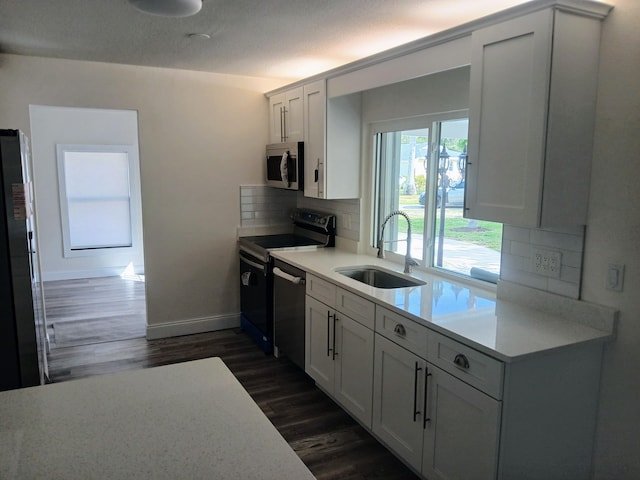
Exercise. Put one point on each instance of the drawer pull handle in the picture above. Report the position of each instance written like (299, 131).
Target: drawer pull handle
(461, 361)
(426, 418)
(415, 391)
(400, 330)
(335, 319)
(329, 316)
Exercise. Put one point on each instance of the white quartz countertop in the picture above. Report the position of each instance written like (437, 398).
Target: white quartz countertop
(503, 329)
(190, 420)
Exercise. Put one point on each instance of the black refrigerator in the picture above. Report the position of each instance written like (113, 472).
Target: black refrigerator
(23, 361)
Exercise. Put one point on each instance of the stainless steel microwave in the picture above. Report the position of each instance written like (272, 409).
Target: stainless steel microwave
(285, 165)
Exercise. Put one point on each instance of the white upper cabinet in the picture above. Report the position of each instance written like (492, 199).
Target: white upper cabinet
(332, 143)
(532, 106)
(286, 117)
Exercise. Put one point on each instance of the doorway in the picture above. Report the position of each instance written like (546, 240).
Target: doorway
(86, 184)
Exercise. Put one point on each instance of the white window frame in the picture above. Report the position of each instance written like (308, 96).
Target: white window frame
(370, 230)
(134, 199)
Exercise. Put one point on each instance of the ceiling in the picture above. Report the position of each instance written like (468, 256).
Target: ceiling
(287, 39)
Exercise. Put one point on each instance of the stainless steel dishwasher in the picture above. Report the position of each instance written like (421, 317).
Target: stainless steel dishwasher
(288, 312)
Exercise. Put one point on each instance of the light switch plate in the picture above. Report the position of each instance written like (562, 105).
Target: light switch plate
(615, 277)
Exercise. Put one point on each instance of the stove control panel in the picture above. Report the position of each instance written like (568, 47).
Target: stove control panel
(326, 221)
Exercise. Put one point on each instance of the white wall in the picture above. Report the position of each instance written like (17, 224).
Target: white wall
(200, 135)
(613, 236)
(79, 126)
(423, 95)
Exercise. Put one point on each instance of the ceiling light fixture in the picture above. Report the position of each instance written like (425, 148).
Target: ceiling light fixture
(199, 36)
(168, 8)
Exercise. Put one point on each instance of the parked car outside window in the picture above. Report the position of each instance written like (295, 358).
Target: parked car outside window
(455, 196)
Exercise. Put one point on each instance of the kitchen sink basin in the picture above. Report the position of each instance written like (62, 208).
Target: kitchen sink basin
(379, 277)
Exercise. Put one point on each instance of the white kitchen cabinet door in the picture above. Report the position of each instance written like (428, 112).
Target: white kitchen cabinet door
(314, 133)
(532, 112)
(398, 387)
(510, 71)
(319, 343)
(461, 433)
(276, 108)
(286, 117)
(354, 368)
(332, 143)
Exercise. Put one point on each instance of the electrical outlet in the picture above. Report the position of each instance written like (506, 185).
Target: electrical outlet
(547, 262)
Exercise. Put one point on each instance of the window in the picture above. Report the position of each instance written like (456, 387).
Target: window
(420, 169)
(95, 198)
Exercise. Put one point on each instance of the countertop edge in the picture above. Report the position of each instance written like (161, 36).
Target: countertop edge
(604, 334)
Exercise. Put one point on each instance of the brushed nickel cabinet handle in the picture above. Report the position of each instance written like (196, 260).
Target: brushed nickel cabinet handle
(415, 391)
(461, 361)
(284, 124)
(335, 319)
(399, 330)
(328, 333)
(426, 390)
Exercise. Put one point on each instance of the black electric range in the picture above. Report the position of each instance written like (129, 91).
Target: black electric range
(310, 230)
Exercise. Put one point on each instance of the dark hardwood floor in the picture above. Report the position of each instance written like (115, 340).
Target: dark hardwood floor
(329, 441)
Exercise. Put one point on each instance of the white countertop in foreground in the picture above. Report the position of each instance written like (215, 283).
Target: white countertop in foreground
(506, 330)
(190, 420)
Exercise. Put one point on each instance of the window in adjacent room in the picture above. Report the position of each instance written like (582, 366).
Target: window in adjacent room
(95, 197)
(420, 170)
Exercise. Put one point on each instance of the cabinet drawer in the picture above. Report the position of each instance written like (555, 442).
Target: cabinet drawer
(359, 309)
(321, 290)
(402, 331)
(469, 365)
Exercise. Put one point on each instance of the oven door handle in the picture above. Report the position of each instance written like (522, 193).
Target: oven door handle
(291, 278)
(252, 263)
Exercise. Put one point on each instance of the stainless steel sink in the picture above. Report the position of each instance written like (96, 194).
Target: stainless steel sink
(379, 277)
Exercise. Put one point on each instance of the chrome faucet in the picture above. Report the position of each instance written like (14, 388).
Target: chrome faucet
(409, 262)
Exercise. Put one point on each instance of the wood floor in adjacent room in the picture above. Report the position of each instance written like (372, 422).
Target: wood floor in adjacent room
(329, 441)
(95, 310)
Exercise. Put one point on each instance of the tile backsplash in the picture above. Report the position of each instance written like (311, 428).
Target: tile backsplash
(519, 247)
(262, 206)
(266, 206)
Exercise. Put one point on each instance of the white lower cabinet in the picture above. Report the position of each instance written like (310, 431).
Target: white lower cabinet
(449, 411)
(354, 367)
(438, 424)
(318, 361)
(398, 401)
(461, 430)
(339, 357)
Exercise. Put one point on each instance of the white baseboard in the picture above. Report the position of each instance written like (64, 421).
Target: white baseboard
(193, 325)
(92, 273)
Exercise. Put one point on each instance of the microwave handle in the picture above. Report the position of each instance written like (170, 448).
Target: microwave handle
(284, 169)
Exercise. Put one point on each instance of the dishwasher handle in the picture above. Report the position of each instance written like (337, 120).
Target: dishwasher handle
(290, 278)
